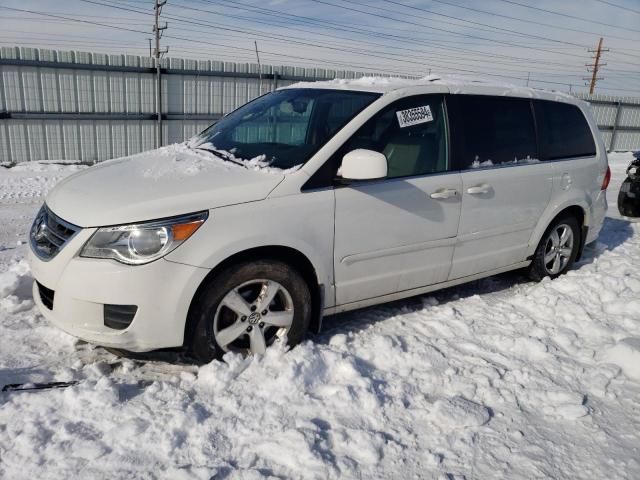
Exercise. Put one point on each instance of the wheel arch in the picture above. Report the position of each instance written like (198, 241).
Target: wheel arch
(575, 210)
(288, 255)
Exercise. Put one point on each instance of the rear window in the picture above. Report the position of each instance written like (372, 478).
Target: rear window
(563, 131)
(489, 131)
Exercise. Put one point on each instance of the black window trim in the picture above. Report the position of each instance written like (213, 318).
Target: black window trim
(451, 168)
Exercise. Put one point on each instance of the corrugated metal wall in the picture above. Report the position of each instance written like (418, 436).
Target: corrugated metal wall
(618, 118)
(64, 105)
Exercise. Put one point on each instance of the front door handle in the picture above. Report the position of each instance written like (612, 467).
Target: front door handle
(444, 193)
(479, 189)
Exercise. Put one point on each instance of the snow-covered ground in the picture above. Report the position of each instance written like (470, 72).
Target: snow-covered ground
(499, 378)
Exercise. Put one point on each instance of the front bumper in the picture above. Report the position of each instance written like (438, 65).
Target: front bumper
(162, 291)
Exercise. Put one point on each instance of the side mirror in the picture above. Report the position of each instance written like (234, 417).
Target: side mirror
(363, 164)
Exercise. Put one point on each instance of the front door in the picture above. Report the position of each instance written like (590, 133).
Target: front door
(399, 233)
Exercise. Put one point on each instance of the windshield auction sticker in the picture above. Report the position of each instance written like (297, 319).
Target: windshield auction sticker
(414, 116)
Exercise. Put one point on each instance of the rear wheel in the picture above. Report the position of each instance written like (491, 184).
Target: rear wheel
(248, 307)
(557, 250)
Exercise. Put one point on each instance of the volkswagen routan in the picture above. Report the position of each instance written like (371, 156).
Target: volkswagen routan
(315, 199)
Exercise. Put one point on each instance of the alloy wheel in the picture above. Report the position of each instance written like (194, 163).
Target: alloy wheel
(558, 249)
(252, 316)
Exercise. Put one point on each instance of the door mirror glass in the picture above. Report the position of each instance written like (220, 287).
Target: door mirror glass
(361, 164)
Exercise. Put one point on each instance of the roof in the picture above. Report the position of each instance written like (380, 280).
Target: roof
(435, 83)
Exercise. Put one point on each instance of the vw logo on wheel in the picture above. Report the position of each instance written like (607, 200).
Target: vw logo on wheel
(254, 318)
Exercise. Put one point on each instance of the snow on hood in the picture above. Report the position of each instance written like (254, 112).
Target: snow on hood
(195, 145)
(160, 183)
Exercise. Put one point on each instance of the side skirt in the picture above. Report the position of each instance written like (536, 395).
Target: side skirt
(421, 290)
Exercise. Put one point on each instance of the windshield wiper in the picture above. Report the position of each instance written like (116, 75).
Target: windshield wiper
(221, 155)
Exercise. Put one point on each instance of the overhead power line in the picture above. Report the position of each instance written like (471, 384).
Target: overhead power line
(386, 17)
(619, 6)
(528, 21)
(204, 42)
(283, 38)
(513, 32)
(377, 34)
(376, 44)
(448, 64)
(566, 15)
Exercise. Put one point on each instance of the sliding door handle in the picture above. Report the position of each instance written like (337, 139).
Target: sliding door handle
(479, 189)
(444, 193)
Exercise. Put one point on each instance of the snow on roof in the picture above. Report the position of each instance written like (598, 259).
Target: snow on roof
(456, 84)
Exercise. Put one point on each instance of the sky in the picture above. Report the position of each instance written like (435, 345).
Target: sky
(544, 44)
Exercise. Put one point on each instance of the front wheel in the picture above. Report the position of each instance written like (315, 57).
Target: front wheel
(248, 307)
(557, 251)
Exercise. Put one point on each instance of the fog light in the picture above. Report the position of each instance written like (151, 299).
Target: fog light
(119, 317)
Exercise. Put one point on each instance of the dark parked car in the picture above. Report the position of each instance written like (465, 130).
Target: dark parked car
(629, 196)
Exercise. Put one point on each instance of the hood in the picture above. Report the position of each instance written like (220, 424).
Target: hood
(161, 183)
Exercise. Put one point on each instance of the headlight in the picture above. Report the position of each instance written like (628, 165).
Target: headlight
(140, 243)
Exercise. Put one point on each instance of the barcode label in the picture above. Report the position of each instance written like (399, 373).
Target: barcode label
(414, 116)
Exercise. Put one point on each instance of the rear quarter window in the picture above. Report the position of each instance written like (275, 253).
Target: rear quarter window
(563, 131)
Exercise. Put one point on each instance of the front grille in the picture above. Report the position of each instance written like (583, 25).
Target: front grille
(46, 295)
(49, 234)
(119, 317)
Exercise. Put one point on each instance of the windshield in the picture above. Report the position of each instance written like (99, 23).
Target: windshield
(285, 128)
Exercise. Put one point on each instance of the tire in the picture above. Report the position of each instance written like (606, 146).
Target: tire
(237, 307)
(543, 264)
(629, 198)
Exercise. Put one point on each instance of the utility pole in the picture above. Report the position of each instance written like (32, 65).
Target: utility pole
(595, 66)
(150, 50)
(528, 78)
(157, 30)
(259, 69)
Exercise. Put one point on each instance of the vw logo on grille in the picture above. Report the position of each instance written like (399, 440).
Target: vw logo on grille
(49, 234)
(40, 231)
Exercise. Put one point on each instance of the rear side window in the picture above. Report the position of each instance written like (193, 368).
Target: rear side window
(563, 131)
(487, 131)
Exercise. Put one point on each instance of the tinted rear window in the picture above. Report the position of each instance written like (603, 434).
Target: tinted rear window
(563, 131)
(488, 131)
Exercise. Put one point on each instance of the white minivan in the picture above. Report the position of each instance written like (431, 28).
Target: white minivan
(315, 199)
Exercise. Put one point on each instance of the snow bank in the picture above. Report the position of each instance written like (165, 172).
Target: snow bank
(30, 181)
(499, 378)
(626, 355)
